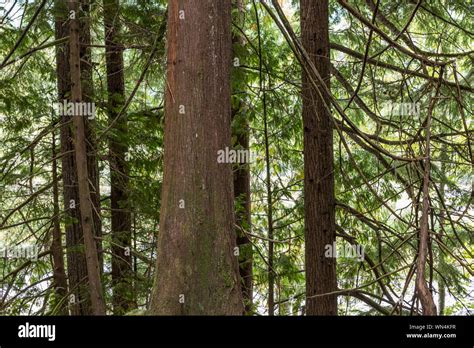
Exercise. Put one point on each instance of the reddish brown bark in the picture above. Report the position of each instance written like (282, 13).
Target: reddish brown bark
(79, 299)
(122, 272)
(319, 199)
(197, 271)
(423, 290)
(76, 265)
(80, 150)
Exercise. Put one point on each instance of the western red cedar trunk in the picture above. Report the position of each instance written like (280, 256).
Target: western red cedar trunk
(122, 272)
(59, 273)
(80, 150)
(88, 96)
(319, 199)
(197, 270)
(79, 299)
(242, 170)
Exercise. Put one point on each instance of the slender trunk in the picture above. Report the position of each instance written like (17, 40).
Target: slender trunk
(87, 219)
(423, 291)
(59, 273)
(268, 181)
(270, 235)
(441, 260)
(242, 176)
(91, 144)
(197, 269)
(122, 272)
(79, 298)
(319, 199)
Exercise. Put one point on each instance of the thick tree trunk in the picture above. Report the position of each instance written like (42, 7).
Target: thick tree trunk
(240, 131)
(86, 206)
(122, 272)
(318, 166)
(197, 269)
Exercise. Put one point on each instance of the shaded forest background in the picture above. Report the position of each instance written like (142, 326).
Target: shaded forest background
(400, 117)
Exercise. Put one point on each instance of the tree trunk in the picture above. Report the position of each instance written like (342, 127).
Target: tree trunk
(88, 96)
(442, 217)
(197, 268)
(87, 219)
(424, 292)
(79, 299)
(242, 176)
(318, 166)
(122, 272)
(59, 273)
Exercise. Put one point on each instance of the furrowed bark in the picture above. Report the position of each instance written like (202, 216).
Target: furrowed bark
(319, 201)
(197, 270)
(79, 299)
(87, 219)
(91, 143)
(122, 272)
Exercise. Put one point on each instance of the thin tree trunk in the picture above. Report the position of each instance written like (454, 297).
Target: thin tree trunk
(270, 235)
(268, 181)
(423, 291)
(441, 260)
(242, 177)
(319, 199)
(122, 272)
(79, 298)
(197, 270)
(91, 143)
(87, 219)
(59, 273)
